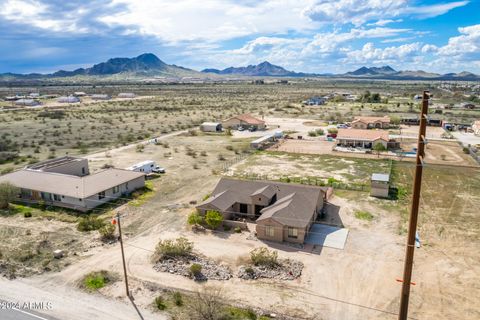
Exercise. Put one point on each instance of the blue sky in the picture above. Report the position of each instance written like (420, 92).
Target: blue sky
(302, 35)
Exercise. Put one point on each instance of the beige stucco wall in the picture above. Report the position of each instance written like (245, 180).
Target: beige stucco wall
(73, 168)
(359, 125)
(93, 201)
(278, 233)
(235, 123)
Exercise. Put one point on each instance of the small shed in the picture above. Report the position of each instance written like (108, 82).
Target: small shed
(211, 127)
(126, 95)
(263, 142)
(101, 97)
(27, 102)
(380, 184)
(69, 99)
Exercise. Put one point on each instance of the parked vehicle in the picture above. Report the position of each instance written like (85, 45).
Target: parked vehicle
(145, 166)
(252, 129)
(342, 126)
(240, 128)
(158, 169)
(332, 135)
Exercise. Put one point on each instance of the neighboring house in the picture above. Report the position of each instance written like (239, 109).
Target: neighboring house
(211, 127)
(467, 105)
(126, 95)
(69, 99)
(66, 182)
(361, 138)
(244, 120)
(371, 122)
(101, 97)
(27, 102)
(476, 127)
(283, 211)
(263, 142)
(79, 94)
(315, 101)
(380, 184)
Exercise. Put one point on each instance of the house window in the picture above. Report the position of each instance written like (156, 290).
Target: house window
(83, 170)
(116, 189)
(101, 195)
(269, 231)
(243, 208)
(56, 197)
(292, 232)
(126, 185)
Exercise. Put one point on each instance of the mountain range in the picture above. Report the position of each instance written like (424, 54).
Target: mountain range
(149, 65)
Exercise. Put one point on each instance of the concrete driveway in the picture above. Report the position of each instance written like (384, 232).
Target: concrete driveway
(327, 236)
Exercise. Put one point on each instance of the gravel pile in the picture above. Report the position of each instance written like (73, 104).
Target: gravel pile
(181, 266)
(285, 270)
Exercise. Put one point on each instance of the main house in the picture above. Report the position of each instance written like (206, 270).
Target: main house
(283, 211)
(244, 120)
(367, 139)
(371, 122)
(67, 182)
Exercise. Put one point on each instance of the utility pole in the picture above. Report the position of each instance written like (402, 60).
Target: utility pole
(412, 228)
(123, 254)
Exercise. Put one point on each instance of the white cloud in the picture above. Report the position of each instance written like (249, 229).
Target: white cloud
(382, 23)
(209, 20)
(35, 13)
(358, 12)
(467, 45)
(370, 54)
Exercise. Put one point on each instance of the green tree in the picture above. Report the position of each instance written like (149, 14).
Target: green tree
(194, 219)
(378, 147)
(213, 219)
(8, 193)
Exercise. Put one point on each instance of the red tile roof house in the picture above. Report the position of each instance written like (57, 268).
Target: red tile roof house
(366, 139)
(283, 211)
(371, 122)
(245, 120)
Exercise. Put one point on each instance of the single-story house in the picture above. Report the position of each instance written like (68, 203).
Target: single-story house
(380, 184)
(371, 122)
(244, 120)
(79, 94)
(283, 211)
(66, 182)
(27, 102)
(101, 97)
(69, 99)
(126, 95)
(467, 105)
(315, 101)
(362, 138)
(476, 127)
(211, 127)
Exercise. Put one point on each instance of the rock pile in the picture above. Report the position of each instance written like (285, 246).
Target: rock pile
(181, 266)
(284, 270)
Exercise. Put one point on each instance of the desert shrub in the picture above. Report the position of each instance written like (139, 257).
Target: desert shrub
(264, 257)
(364, 215)
(177, 299)
(227, 228)
(96, 280)
(235, 313)
(466, 150)
(90, 223)
(140, 147)
(221, 157)
(213, 219)
(237, 230)
(27, 214)
(195, 219)
(107, 232)
(203, 153)
(195, 270)
(8, 193)
(160, 303)
(312, 133)
(207, 304)
(179, 247)
(319, 132)
(332, 130)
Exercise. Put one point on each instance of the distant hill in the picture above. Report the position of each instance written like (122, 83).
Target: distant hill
(264, 69)
(387, 72)
(146, 64)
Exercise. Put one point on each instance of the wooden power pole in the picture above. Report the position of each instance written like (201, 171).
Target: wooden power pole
(123, 254)
(412, 228)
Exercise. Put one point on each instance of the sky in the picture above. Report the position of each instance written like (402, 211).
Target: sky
(328, 36)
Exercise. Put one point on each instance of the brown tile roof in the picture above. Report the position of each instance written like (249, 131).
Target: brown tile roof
(69, 185)
(362, 134)
(384, 119)
(248, 118)
(295, 205)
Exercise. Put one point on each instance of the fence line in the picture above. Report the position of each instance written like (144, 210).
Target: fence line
(227, 164)
(308, 180)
